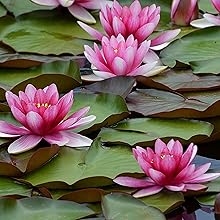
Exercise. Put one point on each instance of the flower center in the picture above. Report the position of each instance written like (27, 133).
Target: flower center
(45, 105)
(116, 50)
(162, 156)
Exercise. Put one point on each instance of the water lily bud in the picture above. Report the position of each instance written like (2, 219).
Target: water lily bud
(184, 11)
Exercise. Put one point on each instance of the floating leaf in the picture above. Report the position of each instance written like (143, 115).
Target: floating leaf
(18, 7)
(79, 164)
(64, 73)
(207, 199)
(181, 81)
(145, 131)
(195, 47)
(9, 187)
(40, 208)
(164, 200)
(117, 85)
(166, 104)
(3, 11)
(118, 206)
(38, 33)
(107, 108)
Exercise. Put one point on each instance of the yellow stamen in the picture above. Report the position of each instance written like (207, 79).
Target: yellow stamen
(116, 50)
(38, 105)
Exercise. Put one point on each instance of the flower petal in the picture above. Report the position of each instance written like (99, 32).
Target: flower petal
(35, 122)
(23, 144)
(8, 128)
(201, 23)
(212, 19)
(151, 190)
(46, 2)
(81, 13)
(195, 187)
(157, 176)
(76, 140)
(91, 31)
(175, 188)
(133, 182)
(56, 138)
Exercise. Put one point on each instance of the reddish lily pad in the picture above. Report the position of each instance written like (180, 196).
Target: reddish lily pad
(151, 102)
(117, 85)
(11, 165)
(181, 81)
(64, 73)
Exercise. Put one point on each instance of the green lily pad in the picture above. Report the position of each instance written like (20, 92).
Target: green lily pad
(9, 187)
(97, 162)
(40, 208)
(63, 73)
(207, 199)
(18, 7)
(165, 200)
(117, 206)
(146, 130)
(107, 108)
(195, 47)
(3, 11)
(38, 33)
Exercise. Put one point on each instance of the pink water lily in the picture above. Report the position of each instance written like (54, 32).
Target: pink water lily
(184, 11)
(168, 167)
(78, 8)
(119, 57)
(135, 20)
(43, 116)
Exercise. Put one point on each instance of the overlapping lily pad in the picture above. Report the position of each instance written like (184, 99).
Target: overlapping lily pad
(197, 48)
(64, 73)
(181, 81)
(118, 206)
(98, 161)
(144, 131)
(151, 102)
(40, 208)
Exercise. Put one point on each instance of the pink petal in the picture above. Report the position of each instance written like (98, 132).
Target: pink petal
(8, 128)
(106, 25)
(195, 187)
(212, 19)
(157, 176)
(199, 171)
(46, 2)
(118, 27)
(148, 191)
(216, 3)
(56, 138)
(142, 70)
(175, 188)
(103, 74)
(35, 122)
(83, 121)
(81, 13)
(23, 144)
(132, 182)
(138, 152)
(144, 31)
(159, 146)
(119, 66)
(12, 99)
(135, 8)
(166, 36)
(205, 178)
(91, 31)
(52, 95)
(145, 166)
(30, 91)
(19, 115)
(66, 3)
(77, 140)
(174, 7)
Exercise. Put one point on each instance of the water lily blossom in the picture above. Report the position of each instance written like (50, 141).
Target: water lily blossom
(208, 20)
(44, 116)
(78, 8)
(119, 57)
(184, 11)
(168, 167)
(135, 20)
